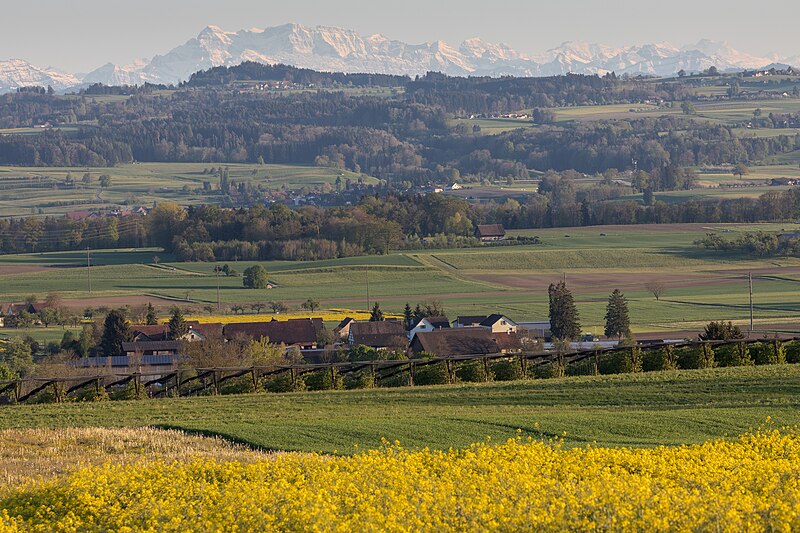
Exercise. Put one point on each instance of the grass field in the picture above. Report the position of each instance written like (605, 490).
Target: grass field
(25, 191)
(623, 410)
(699, 286)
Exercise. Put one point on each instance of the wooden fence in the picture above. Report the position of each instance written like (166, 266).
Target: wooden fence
(197, 381)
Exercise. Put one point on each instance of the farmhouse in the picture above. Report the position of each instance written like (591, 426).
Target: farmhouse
(499, 324)
(343, 329)
(468, 321)
(429, 323)
(464, 341)
(490, 232)
(378, 335)
(299, 332)
(169, 348)
(495, 323)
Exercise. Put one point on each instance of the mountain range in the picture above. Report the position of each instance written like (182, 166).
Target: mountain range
(336, 49)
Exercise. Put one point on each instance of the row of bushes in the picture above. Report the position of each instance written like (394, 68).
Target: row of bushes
(633, 359)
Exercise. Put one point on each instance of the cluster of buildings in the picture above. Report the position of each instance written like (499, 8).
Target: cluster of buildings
(466, 335)
(79, 216)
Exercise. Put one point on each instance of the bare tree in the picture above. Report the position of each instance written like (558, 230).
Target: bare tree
(656, 288)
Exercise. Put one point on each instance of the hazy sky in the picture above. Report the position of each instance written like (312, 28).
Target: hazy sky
(80, 35)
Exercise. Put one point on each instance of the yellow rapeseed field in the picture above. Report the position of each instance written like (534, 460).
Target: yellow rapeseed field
(328, 315)
(748, 484)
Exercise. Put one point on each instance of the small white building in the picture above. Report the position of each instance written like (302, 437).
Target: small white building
(428, 324)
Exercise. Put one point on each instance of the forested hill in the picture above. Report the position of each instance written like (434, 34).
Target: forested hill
(251, 71)
(410, 135)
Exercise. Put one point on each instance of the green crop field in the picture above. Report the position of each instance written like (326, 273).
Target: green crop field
(25, 191)
(624, 410)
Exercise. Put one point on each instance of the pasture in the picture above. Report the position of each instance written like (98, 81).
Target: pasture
(34, 190)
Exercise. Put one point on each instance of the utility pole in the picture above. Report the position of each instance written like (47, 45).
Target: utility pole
(367, 271)
(750, 282)
(216, 271)
(89, 270)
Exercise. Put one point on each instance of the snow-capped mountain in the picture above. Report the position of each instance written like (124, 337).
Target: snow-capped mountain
(336, 49)
(16, 73)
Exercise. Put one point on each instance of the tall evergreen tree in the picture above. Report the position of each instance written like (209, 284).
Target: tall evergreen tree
(618, 322)
(564, 320)
(115, 331)
(376, 315)
(178, 327)
(151, 318)
(408, 317)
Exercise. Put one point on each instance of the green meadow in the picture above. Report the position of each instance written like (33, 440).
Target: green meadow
(639, 410)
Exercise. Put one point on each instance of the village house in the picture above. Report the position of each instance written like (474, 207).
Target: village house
(495, 323)
(150, 348)
(300, 332)
(499, 324)
(490, 232)
(379, 335)
(464, 341)
(343, 329)
(428, 323)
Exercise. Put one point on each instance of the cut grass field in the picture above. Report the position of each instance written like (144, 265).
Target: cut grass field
(638, 410)
(29, 190)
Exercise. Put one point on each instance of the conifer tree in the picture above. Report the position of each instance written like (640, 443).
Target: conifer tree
(618, 322)
(564, 320)
(178, 327)
(151, 318)
(376, 315)
(408, 317)
(115, 332)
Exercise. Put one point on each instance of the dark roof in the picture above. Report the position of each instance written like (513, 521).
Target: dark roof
(344, 322)
(207, 330)
(154, 332)
(467, 320)
(377, 334)
(151, 346)
(493, 319)
(302, 331)
(508, 342)
(491, 230)
(458, 341)
(437, 322)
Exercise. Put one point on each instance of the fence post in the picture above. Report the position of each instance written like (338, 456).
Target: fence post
(255, 380)
(137, 385)
(215, 382)
(374, 375)
(17, 390)
(523, 365)
(411, 368)
(485, 369)
(596, 362)
(450, 374)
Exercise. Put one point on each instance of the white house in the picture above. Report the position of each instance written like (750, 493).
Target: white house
(427, 324)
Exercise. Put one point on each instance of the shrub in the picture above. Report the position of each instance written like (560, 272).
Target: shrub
(358, 380)
(435, 374)
(662, 359)
(508, 370)
(473, 371)
(283, 383)
(323, 380)
(769, 353)
(734, 355)
(792, 352)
